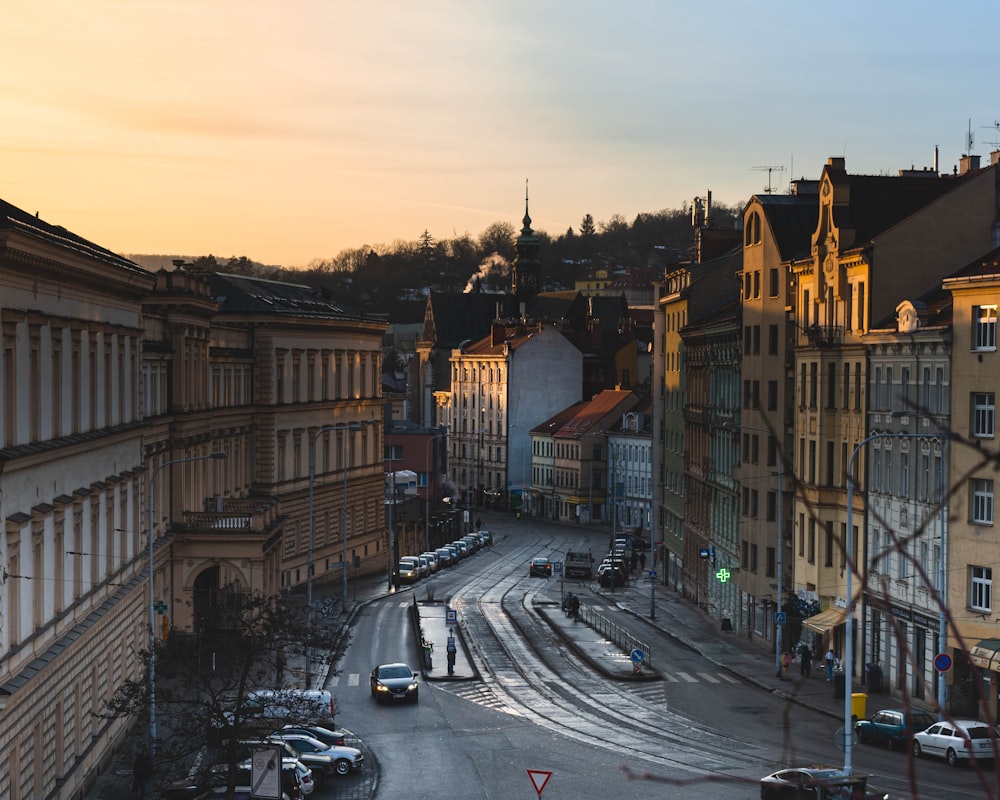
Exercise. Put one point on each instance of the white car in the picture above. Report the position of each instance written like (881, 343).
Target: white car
(956, 740)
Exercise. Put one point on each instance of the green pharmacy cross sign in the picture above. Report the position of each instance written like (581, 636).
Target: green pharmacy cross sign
(160, 606)
(723, 575)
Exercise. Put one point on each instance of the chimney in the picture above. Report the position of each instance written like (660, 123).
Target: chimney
(967, 164)
(836, 162)
(497, 334)
(935, 159)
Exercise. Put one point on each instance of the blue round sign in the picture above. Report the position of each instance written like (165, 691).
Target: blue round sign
(637, 656)
(942, 662)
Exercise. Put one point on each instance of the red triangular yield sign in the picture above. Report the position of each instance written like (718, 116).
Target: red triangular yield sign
(539, 778)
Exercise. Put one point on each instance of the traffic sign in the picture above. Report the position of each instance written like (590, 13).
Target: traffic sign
(780, 617)
(557, 567)
(652, 573)
(451, 616)
(539, 778)
(637, 656)
(942, 662)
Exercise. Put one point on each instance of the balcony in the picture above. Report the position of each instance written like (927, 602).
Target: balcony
(824, 335)
(239, 515)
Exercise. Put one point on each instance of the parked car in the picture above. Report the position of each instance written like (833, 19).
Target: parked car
(296, 778)
(394, 682)
(408, 570)
(327, 736)
(325, 761)
(433, 560)
(817, 783)
(610, 576)
(540, 568)
(956, 740)
(444, 556)
(892, 726)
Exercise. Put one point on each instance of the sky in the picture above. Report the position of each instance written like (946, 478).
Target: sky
(290, 131)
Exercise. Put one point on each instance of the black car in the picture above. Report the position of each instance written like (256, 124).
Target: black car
(610, 576)
(325, 735)
(540, 567)
(394, 682)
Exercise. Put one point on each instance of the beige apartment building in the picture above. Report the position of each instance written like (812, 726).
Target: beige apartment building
(777, 231)
(974, 550)
(119, 391)
(877, 238)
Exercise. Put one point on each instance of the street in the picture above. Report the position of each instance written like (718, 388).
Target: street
(536, 705)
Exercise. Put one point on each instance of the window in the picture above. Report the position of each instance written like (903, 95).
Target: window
(756, 340)
(982, 501)
(772, 340)
(831, 384)
(756, 283)
(746, 340)
(877, 389)
(983, 414)
(984, 327)
(813, 383)
(774, 288)
(772, 395)
(981, 588)
(861, 306)
(829, 543)
(847, 386)
(772, 504)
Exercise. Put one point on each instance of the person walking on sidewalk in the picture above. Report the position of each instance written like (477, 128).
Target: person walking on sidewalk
(831, 661)
(805, 660)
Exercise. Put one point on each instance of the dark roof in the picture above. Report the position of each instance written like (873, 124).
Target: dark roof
(13, 218)
(239, 294)
(877, 202)
(458, 317)
(792, 220)
(934, 307)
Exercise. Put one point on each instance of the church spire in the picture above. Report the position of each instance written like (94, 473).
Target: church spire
(527, 270)
(526, 230)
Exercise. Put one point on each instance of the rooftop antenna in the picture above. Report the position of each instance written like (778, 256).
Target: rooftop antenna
(995, 144)
(770, 169)
(969, 140)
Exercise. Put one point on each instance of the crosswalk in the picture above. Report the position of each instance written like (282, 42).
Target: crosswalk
(354, 679)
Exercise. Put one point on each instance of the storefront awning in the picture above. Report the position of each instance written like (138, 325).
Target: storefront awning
(822, 622)
(986, 654)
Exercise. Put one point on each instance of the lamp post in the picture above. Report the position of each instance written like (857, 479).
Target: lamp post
(849, 546)
(778, 627)
(345, 427)
(152, 607)
(427, 492)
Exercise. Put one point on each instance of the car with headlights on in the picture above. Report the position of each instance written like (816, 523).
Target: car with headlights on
(540, 568)
(394, 682)
(956, 740)
(892, 726)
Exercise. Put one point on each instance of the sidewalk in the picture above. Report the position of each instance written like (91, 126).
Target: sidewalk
(689, 625)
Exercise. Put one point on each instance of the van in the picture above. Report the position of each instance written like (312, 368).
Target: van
(284, 706)
(444, 556)
(408, 569)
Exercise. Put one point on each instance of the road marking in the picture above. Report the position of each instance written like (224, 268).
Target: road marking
(353, 679)
(685, 676)
(709, 677)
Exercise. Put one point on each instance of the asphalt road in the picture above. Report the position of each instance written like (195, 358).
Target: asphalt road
(700, 732)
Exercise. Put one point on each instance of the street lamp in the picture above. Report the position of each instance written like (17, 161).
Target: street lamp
(427, 492)
(778, 627)
(152, 607)
(345, 427)
(848, 621)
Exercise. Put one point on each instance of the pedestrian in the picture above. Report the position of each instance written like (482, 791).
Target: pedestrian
(831, 660)
(642, 560)
(786, 663)
(805, 660)
(279, 668)
(479, 523)
(574, 606)
(142, 771)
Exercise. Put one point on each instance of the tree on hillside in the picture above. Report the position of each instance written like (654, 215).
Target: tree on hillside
(587, 227)
(499, 238)
(202, 689)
